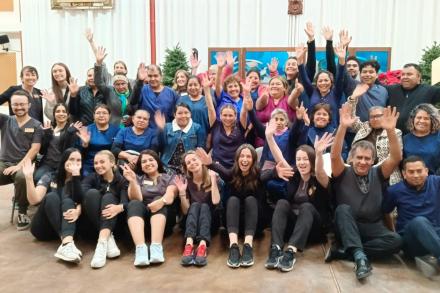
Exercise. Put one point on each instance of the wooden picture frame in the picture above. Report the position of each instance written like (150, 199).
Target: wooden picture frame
(81, 4)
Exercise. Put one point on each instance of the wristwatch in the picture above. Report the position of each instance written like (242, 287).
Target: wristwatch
(164, 200)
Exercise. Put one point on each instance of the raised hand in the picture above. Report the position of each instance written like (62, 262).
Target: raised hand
(73, 168)
(49, 96)
(273, 64)
(73, 87)
(89, 34)
(206, 82)
(310, 31)
(181, 183)
(299, 87)
(344, 38)
(346, 118)
(359, 90)
(284, 172)
(77, 125)
(248, 104)
(221, 60)
(301, 111)
(28, 169)
(128, 173)
(84, 134)
(246, 88)
(195, 62)
(159, 118)
(321, 144)
(142, 73)
(389, 118)
(271, 128)
(230, 60)
(203, 156)
(340, 51)
(300, 53)
(100, 55)
(327, 33)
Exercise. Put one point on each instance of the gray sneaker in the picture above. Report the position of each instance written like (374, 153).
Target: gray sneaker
(68, 253)
(428, 265)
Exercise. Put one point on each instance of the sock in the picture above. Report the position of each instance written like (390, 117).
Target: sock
(358, 254)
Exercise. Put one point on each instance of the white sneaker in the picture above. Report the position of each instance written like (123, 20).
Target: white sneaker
(141, 257)
(77, 250)
(67, 253)
(112, 248)
(100, 256)
(156, 253)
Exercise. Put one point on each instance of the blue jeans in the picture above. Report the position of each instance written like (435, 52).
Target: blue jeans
(420, 237)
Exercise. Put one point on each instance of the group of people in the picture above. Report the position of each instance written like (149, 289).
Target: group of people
(308, 154)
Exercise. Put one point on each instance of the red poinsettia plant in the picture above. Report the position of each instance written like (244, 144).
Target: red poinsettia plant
(390, 77)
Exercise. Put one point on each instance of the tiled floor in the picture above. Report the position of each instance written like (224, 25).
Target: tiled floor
(27, 265)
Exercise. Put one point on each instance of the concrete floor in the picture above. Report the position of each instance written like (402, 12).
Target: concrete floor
(27, 265)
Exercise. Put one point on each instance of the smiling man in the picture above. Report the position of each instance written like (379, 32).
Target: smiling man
(21, 137)
(375, 94)
(358, 190)
(418, 208)
(410, 93)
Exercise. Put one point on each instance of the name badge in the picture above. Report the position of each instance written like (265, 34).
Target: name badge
(148, 182)
(29, 130)
(56, 134)
(53, 185)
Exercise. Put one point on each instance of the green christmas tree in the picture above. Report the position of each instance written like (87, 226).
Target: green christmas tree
(175, 59)
(429, 55)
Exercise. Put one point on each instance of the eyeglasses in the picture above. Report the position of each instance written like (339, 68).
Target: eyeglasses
(19, 105)
(376, 117)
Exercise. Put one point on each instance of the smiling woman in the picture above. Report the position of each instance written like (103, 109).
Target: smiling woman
(424, 137)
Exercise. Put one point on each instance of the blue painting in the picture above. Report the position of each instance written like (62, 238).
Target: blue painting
(235, 54)
(379, 56)
(261, 61)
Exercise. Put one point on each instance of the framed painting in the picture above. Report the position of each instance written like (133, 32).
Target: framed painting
(236, 53)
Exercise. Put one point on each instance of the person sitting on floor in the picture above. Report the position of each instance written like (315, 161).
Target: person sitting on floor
(418, 214)
(358, 192)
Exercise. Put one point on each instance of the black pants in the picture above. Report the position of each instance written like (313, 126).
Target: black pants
(237, 209)
(93, 204)
(198, 222)
(374, 238)
(48, 222)
(137, 208)
(298, 227)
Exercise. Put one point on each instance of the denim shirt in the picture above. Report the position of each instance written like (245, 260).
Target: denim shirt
(192, 136)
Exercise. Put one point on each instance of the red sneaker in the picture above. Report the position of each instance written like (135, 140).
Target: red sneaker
(200, 259)
(188, 255)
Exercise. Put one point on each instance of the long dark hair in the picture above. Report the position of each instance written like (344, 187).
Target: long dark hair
(55, 87)
(54, 122)
(250, 181)
(160, 167)
(61, 174)
(310, 151)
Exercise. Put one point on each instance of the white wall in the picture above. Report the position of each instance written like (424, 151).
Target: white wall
(49, 36)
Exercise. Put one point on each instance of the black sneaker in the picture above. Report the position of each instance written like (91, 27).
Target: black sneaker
(23, 222)
(287, 260)
(274, 257)
(247, 259)
(234, 256)
(363, 268)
